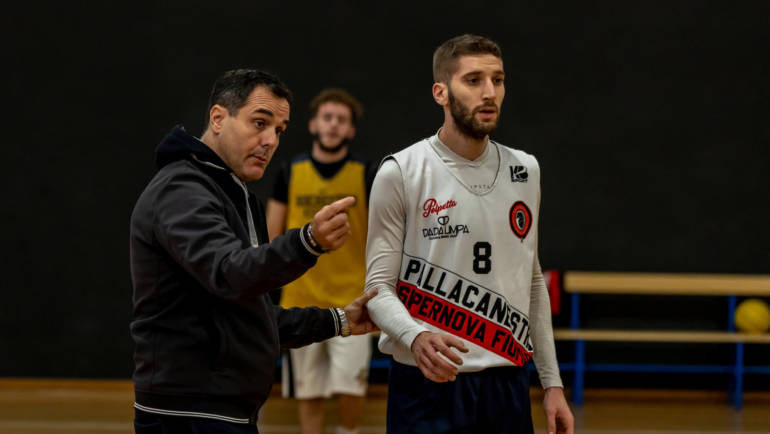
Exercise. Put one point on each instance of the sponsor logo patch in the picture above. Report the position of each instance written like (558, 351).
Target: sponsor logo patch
(444, 229)
(431, 206)
(518, 173)
(520, 218)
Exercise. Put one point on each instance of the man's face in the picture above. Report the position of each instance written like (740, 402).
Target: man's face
(476, 93)
(332, 127)
(248, 140)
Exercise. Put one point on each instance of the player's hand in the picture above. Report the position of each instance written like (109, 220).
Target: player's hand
(330, 225)
(425, 349)
(557, 412)
(358, 315)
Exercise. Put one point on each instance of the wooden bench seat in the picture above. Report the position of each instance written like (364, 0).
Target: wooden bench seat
(659, 336)
(666, 283)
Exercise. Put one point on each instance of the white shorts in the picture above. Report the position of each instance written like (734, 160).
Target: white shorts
(335, 366)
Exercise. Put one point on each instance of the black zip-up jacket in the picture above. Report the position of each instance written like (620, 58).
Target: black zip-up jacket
(207, 335)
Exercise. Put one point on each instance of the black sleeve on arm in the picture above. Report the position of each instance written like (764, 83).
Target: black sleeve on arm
(369, 173)
(281, 185)
(300, 326)
(190, 224)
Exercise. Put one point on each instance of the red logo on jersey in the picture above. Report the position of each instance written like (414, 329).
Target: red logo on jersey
(432, 207)
(520, 219)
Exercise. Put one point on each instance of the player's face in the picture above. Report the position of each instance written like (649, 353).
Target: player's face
(476, 93)
(332, 126)
(248, 140)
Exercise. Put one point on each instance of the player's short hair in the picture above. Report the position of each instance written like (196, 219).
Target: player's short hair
(233, 87)
(446, 55)
(339, 96)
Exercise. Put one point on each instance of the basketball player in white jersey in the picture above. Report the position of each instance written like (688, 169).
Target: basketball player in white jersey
(452, 248)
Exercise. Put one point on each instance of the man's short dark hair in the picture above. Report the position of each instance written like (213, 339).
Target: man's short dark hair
(446, 55)
(338, 96)
(233, 87)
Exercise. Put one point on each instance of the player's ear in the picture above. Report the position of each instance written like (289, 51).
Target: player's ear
(312, 125)
(440, 93)
(217, 115)
(352, 132)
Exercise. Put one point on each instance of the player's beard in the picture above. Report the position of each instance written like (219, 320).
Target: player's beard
(330, 149)
(466, 121)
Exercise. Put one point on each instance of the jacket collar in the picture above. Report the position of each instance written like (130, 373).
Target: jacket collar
(180, 145)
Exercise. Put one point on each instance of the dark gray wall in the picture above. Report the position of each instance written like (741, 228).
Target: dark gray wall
(650, 121)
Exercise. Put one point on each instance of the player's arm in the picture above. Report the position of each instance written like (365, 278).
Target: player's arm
(277, 203)
(558, 414)
(541, 330)
(276, 218)
(385, 240)
(370, 172)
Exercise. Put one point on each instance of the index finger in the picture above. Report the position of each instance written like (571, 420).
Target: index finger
(338, 206)
(451, 355)
(551, 423)
(441, 366)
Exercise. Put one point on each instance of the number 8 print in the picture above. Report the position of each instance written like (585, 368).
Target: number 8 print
(482, 262)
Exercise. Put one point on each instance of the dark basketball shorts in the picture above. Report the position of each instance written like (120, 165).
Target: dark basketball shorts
(495, 400)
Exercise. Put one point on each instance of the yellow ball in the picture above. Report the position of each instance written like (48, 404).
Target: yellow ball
(752, 316)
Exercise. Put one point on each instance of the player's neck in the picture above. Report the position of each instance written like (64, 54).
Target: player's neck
(461, 144)
(326, 157)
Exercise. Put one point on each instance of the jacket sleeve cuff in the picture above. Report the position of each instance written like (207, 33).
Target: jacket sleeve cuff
(337, 321)
(308, 242)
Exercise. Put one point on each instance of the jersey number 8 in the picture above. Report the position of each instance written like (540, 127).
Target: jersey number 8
(482, 262)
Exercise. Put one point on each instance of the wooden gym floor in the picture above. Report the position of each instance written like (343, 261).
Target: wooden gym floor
(30, 406)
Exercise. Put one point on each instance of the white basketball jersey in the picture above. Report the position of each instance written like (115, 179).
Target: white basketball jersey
(468, 258)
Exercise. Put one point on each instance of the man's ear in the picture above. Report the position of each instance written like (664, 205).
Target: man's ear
(441, 94)
(312, 125)
(352, 133)
(217, 115)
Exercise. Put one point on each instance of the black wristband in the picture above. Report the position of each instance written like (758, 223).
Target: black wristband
(310, 243)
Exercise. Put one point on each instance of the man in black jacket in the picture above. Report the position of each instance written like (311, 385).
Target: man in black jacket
(207, 335)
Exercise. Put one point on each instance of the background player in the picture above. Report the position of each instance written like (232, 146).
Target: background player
(452, 249)
(312, 180)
